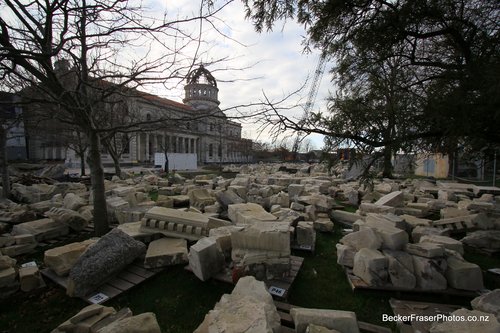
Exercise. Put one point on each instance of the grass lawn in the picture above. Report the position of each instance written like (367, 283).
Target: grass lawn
(180, 301)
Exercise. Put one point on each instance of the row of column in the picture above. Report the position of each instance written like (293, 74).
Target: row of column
(147, 144)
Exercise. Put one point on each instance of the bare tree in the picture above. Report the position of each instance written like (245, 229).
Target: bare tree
(76, 56)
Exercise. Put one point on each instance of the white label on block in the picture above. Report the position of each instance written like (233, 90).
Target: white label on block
(29, 264)
(277, 291)
(306, 247)
(98, 298)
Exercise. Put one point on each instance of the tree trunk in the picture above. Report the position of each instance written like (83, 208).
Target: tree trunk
(82, 163)
(101, 225)
(116, 162)
(387, 172)
(3, 163)
(166, 167)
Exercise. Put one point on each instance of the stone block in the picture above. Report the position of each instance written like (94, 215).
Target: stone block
(366, 208)
(7, 240)
(463, 275)
(429, 273)
(42, 229)
(420, 231)
(371, 266)
(388, 219)
(345, 255)
(392, 237)
(106, 257)
(400, 269)
(164, 201)
(7, 262)
(249, 308)
(267, 236)
(143, 323)
(24, 239)
(30, 278)
(427, 250)
(450, 212)
(490, 325)
(323, 224)
(488, 302)
(342, 321)
(295, 190)
(247, 213)
(61, 259)
(73, 202)
(200, 197)
(205, 259)
(175, 223)
(446, 242)
(311, 328)
(364, 238)
(68, 217)
(222, 237)
(166, 252)
(483, 239)
(89, 319)
(345, 217)
(16, 250)
(7, 276)
(393, 199)
(305, 233)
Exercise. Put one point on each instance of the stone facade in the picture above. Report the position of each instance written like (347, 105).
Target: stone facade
(206, 135)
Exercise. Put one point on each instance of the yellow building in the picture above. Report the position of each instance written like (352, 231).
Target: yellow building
(432, 165)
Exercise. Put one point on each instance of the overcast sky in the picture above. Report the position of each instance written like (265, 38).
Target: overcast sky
(278, 63)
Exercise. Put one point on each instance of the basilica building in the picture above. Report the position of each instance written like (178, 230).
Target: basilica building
(199, 131)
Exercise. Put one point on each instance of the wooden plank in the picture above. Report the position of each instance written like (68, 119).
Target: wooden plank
(120, 284)
(109, 291)
(137, 270)
(124, 280)
(131, 277)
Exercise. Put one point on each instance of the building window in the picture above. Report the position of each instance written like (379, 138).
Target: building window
(211, 127)
(210, 150)
(148, 117)
(220, 151)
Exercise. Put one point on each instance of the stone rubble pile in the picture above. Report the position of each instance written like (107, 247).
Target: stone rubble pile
(379, 250)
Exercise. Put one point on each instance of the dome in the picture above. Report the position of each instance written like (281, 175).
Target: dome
(201, 90)
(201, 75)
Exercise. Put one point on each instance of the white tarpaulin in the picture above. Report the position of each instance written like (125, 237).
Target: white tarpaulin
(177, 161)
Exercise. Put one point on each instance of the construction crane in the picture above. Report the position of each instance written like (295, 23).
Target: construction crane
(318, 74)
(311, 98)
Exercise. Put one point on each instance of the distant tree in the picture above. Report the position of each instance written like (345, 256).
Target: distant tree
(448, 50)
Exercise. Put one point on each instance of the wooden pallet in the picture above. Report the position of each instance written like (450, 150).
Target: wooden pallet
(287, 324)
(409, 308)
(279, 289)
(129, 277)
(357, 283)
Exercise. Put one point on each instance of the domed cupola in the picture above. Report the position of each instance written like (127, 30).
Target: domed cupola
(201, 89)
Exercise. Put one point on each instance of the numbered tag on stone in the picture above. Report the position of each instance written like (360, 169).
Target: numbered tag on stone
(29, 264)
(277, 291)
(98, 298)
